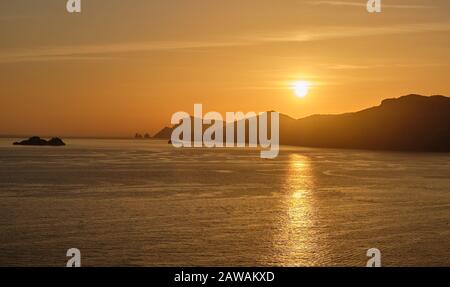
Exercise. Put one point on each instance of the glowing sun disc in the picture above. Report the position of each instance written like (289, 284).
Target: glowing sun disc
(301, 88)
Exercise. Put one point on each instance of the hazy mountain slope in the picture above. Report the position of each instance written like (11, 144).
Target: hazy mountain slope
(409, 123)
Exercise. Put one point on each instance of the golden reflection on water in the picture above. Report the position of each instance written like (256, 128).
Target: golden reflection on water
(296, 240)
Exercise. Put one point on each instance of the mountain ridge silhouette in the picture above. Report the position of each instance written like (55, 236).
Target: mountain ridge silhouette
(408, 123)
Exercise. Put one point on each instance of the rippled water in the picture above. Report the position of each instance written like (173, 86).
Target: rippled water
(144, 203)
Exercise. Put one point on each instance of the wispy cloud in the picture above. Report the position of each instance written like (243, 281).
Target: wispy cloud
(380, 66)
(350, 32)
(83, 51)
(13, 18)
(97, 51)
(364, 3)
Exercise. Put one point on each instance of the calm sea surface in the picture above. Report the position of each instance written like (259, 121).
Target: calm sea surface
(144, 203)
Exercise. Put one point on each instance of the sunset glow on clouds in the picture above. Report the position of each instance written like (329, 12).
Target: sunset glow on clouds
(116, 68)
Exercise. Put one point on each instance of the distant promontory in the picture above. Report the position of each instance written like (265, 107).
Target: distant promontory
(409, 123)
(37, 141)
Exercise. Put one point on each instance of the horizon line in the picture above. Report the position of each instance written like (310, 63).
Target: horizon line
(18, 136)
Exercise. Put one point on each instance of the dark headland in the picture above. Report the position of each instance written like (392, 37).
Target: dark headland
(37, 141)
(408, 123)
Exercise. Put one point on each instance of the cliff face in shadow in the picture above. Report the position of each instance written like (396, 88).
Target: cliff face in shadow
(408, 123)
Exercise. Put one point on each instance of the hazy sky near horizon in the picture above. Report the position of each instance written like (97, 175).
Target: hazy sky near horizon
(122, 67)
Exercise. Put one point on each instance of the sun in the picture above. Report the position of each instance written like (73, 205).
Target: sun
(301, 88)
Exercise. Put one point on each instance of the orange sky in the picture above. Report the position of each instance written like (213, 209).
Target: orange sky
(122, 67)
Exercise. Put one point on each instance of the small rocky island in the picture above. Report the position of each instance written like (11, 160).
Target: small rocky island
(37, 141)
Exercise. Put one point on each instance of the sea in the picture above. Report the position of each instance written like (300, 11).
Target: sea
(146, 203)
